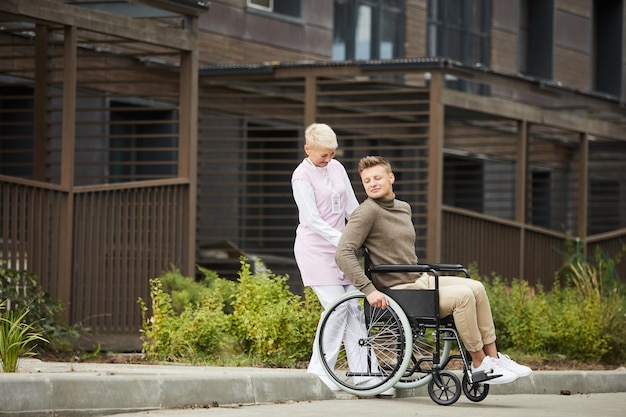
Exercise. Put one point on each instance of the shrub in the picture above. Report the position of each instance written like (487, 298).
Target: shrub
(255, 321)
(270, 322)
(185, 291)
(194, 335)
(22, 293)
(519, 313)
(17, 337)
(581, 318)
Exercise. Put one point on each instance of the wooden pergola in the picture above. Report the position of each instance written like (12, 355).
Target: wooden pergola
(122, 157)
(98, 192)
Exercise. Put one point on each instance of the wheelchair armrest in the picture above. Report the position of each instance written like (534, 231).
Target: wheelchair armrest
(401, 268)
(450, 268)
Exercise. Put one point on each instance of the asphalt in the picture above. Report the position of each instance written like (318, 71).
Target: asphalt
(98, 389)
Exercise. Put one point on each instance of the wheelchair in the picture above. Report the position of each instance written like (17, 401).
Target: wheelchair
(407, 345)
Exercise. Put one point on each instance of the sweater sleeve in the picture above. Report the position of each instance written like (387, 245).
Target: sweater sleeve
(351, 241)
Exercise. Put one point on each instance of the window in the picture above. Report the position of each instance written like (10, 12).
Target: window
(292, 8)
(16, 131)
(268, 212)
(368, 29)
(536, 45)
(463, 183)
(607, 19)
(459, 30)
(143, 143)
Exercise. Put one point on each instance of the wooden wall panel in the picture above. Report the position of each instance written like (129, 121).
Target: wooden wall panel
(572, 69)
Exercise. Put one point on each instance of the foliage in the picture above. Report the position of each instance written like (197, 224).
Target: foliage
(582, 317)
(194, 334)
(256, 321)
(186, 291)
(23, 293)
(17, 337)
(270, 321)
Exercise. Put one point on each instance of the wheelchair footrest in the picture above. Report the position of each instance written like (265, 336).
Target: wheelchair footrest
(482, 376)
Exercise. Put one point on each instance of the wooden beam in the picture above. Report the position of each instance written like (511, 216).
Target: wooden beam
(140, 30)
(519, 111)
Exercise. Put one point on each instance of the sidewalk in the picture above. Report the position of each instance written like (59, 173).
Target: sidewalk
(53, 388)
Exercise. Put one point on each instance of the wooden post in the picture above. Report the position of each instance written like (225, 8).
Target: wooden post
(66, 243)
(436, 116)
(188, 146)
(310, 100)
(583, 189)
(521, 188)
(40, 123)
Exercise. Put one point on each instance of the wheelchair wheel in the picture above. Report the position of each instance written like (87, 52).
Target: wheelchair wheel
(444, 388)
(364, 349)
(418, 372)
(474, 392)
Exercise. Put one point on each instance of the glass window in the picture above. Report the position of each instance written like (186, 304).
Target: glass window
(368, 29)
(459, 30)
(608, 68)
(536, 45)
(364, 33)
(285, 7)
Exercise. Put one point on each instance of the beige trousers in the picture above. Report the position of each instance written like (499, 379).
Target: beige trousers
(466, 299)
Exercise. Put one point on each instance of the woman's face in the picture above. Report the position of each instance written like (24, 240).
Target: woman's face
(320, 157)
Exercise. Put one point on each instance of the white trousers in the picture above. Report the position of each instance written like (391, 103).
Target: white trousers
(335, 333)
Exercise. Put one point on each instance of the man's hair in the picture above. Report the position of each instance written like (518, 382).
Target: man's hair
(372, 161)
(320, 136)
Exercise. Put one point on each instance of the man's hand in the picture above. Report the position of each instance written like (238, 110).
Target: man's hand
(377, 299)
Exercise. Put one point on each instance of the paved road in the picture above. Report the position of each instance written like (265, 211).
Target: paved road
(596, 405)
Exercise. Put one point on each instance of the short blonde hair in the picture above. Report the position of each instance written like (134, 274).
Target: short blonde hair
(372, 161)
(320, 136)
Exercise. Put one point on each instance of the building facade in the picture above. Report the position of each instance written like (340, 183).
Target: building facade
(140, 135)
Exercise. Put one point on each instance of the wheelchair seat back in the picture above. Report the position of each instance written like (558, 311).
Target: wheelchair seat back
(416, 304)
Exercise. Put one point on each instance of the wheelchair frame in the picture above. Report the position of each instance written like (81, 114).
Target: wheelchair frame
(382, 349)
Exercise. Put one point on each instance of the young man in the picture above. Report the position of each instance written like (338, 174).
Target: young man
(383, 224)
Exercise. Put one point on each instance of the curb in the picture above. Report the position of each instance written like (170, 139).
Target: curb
(52, 389)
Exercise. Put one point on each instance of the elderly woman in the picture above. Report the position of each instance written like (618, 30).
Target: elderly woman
(325, 200)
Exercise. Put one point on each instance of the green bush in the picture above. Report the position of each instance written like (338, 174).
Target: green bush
(22, 293)
(272, 323)
(194, 334)
(256, 321)
(581, 318)
(186, 291)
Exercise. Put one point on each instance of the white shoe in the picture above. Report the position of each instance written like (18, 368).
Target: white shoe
(376, 380)
(491, 367)
(511, 365)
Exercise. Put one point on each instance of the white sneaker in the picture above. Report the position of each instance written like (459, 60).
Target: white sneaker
(373, 381)
(511, 365)
(491, 367)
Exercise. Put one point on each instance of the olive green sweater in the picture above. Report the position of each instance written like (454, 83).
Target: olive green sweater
(385, 227)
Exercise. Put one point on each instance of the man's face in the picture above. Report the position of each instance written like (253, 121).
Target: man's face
(378, 183)
(320, 157)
